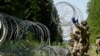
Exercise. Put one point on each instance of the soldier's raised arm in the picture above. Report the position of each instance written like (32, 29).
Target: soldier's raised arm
(76, 23)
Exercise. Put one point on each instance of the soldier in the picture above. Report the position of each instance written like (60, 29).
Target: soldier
(84, 28)
(75, 36)
(97, 44)
(84, 40)
(85, 37)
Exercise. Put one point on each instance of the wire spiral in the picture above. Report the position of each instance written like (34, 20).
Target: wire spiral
(13, 28)
(62, 14)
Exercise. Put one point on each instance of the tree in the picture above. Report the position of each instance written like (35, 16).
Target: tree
(94, 18)
(34, 10)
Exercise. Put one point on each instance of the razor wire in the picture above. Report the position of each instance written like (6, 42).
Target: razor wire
(12, 28)
(56, 51)
(62, 14)
(44, 51)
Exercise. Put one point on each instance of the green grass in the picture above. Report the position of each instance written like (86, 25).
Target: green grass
(11, 48)
(21, 45)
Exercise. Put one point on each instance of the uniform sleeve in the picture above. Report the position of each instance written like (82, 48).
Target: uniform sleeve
(78, 26)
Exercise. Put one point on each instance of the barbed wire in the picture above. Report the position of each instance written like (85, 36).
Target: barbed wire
(13, 28)
(62, 14)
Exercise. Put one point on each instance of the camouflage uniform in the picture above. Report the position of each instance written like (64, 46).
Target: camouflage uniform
(84, 40)
(75, 36)
(97, 44)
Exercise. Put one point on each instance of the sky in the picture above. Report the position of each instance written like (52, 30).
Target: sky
(80, 4)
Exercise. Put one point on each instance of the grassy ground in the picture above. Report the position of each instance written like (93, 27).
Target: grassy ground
(22, 46)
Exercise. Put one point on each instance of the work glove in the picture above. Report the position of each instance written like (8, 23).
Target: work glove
(74, 21)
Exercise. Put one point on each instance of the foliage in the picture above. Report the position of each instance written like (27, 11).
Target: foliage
(20, 48)
(34, 10)
(19, 8)
(94, 18)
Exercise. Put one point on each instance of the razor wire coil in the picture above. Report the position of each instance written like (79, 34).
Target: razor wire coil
(16, 29)
(62, 14)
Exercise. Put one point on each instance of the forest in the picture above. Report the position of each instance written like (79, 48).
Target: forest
(41, 11)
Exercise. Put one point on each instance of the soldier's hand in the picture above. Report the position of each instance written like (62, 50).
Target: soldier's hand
(73, 20)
